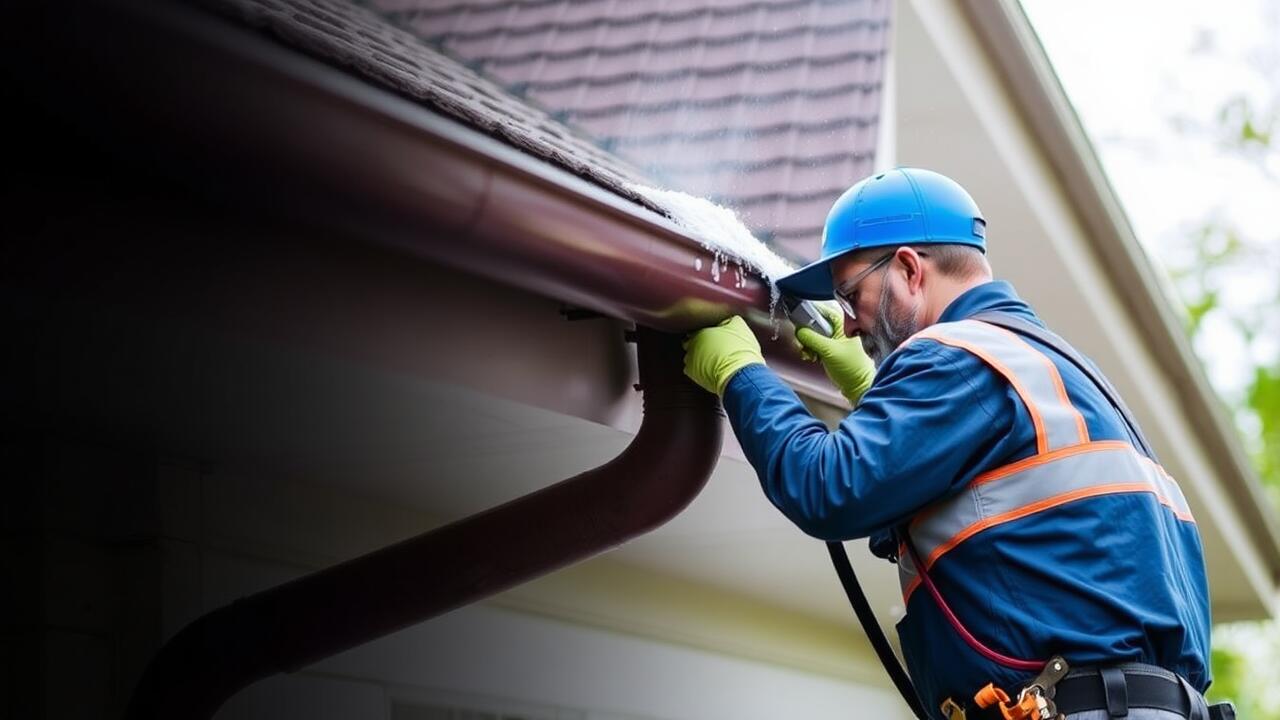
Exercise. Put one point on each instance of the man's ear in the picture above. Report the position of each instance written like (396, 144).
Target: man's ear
(913, 266)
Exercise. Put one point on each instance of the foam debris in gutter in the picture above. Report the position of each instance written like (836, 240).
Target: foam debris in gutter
(722, 232)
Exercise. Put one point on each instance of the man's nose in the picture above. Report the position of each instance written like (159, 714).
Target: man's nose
(851, 327)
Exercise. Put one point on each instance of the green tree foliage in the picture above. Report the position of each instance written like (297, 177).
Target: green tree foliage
(1264, 398)
(1228, 675)
(1245, 657)
(1244, 128)
(1218, 257)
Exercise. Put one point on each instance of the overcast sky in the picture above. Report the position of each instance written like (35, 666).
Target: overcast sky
(1148, 79)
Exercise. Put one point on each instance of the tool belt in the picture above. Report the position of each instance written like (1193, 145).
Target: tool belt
(1116, 689)
(1119, 688)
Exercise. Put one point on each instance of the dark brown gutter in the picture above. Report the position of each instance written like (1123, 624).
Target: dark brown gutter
(186, 89)
(191, 89)
(288, 627)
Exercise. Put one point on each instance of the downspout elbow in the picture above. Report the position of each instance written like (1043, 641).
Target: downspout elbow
(329, 611)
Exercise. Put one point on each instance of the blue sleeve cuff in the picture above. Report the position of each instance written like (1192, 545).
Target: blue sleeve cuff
(748, 380)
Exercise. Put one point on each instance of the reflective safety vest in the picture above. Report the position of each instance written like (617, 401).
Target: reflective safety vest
(1067, 466)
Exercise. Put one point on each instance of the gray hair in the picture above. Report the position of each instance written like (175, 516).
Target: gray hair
(952, 260)
(958, 261)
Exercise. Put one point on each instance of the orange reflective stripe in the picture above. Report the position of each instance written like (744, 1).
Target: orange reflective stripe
(1177, 504)
(911, 588)
(1048, 457)
(1023, 464)
(1067, 466)
(1020, 513)
(1031, 509)
(1056, 378)
(1029, 371)
(1042, 442)
(1033, 485)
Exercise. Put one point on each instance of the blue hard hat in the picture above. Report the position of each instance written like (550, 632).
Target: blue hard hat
(904, 206)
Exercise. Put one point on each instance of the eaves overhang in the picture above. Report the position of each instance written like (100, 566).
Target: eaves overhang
(207, 92)
(1028, 75)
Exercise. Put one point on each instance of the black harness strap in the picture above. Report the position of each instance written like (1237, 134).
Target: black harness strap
(1045, 337)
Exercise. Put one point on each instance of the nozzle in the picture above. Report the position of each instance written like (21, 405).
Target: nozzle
(803, 313)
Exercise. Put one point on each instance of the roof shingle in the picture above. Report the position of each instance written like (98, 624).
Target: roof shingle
(769, 106)
(367, 44)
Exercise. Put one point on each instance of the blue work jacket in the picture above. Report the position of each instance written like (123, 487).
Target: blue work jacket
(1115, 575)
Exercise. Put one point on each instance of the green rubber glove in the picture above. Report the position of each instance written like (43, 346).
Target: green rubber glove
(712, 355)
(842, 357)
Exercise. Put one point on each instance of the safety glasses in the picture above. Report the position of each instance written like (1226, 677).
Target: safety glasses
(846, 294)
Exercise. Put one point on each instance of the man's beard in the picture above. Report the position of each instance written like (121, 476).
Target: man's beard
(894, 327)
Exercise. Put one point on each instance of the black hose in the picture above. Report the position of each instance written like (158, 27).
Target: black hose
(861, 608)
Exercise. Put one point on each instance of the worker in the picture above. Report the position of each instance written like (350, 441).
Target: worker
(1028, 521)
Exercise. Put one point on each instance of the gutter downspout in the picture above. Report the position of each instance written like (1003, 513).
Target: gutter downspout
(288, 627)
